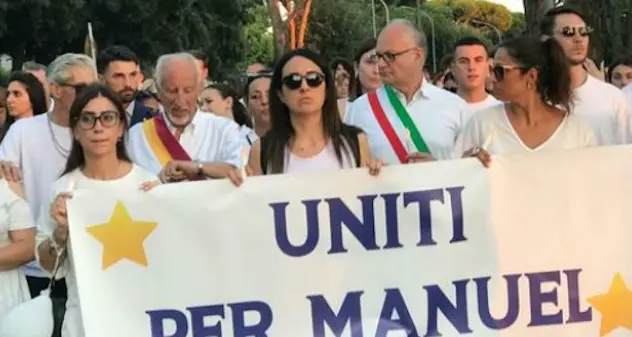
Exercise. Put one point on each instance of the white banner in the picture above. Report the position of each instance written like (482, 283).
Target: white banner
(535, 246)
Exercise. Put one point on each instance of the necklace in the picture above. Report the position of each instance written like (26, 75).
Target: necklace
(62, 151)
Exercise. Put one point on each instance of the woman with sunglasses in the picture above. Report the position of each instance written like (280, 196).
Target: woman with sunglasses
(307, 133)
(533, 78)
(97, 161)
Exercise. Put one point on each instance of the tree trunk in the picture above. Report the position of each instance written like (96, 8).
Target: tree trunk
(534, 10)
(279, 28)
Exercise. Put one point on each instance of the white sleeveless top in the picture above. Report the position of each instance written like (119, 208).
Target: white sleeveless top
(326, 160)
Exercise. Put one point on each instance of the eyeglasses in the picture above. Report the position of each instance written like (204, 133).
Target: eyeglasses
(77, 87)
(313, 79)
(569, 31)
(499, 70)
(88, 120)
(389, 57)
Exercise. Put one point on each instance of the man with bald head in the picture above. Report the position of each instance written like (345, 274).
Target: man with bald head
(182, 143)
(407, 119)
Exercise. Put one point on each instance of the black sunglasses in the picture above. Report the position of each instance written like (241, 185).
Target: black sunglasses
(499, 70)
(389, 57)
(88, 120)
(77, 87)
(313, 79)
(569, 31)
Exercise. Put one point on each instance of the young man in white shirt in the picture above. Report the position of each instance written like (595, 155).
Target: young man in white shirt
(470, 67)
(37, 148)
(181, 143)
(407, 119)
(601, 104)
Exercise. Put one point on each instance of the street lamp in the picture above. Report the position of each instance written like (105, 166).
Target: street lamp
(487, 24)
(432, 31)
(387, 12)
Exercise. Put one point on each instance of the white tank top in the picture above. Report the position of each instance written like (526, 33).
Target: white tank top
(326, 160)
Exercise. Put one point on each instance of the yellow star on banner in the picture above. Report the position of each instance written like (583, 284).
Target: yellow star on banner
(615, 306)
(122, 237)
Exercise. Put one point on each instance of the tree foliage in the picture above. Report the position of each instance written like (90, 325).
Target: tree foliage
(470, 11)
(258, 37)
(43, 29)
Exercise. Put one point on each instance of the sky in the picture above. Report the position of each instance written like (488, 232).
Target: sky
(513, 5)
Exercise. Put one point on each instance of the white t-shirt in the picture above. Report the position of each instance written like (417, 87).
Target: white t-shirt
(492, 130)
(75, 180)
(488, 102)
(627, 92)
(438, 114)
(39, 148)
(605, 108)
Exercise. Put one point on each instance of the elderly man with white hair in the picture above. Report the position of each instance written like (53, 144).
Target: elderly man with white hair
(181, 143)
(407, 119)
(36, 149)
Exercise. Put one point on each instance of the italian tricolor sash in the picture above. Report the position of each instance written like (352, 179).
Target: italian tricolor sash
(162, 142)
(387, 127)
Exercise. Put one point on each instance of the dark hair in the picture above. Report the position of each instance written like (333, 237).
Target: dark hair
(281, 131)
(76, 158)
(449, 77)
(547, 23)
(239, 111)
(199, 55)
(621, 61)
(251, 79)
(348, 67)
(35, 90)
(470, 41)
(547, 56)
(112, 54)
(356, 86)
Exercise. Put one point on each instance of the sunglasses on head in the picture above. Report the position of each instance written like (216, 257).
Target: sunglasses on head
(313, 79)
(573, 31)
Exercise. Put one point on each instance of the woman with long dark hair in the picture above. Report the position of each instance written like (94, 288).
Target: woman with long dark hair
(307, 133)
(366, 75)
(533, 78)
(26, 97)
(97, 161)
(222, 100)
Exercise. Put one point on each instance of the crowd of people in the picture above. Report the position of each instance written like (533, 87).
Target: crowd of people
(81, 124)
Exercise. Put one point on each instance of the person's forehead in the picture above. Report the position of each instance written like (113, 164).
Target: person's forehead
(394, 38)
(470, 51)
(568, 20)
(122, 66)
(180, 73)
(300, 64)
(260, 84)
(623, 68)
(83, 74)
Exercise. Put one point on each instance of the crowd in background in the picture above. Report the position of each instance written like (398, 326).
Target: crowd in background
(79, 123)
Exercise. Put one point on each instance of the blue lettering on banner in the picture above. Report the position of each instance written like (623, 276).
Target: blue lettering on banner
(363, 228)
(395, 314)
(199, 316)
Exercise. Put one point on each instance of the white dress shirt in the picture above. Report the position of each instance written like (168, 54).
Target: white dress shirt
(438, 114)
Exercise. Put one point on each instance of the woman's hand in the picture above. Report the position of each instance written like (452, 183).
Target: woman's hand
(149, 185)
(235, 177)
(375, 166)
(479, 153)
(60, 216)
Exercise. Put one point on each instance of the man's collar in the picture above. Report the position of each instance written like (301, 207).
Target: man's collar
(130, 108)
(419, 94)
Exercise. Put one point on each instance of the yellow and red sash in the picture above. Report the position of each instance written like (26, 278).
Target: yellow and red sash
(162, 142)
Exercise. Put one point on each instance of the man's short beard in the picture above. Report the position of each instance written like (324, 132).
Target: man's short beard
(127, 99)
(576, 62)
